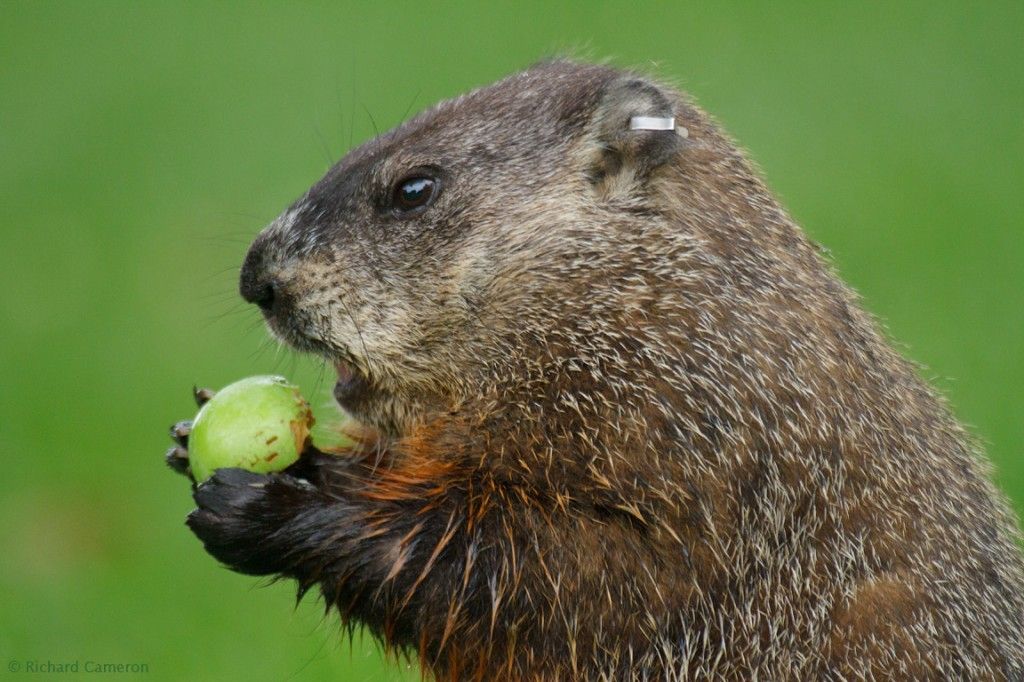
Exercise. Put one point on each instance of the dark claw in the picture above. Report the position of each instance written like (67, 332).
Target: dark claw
(177, 459)
(201, 395)
(180, 433)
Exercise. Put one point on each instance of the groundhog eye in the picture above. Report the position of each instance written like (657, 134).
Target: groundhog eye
(414, 192)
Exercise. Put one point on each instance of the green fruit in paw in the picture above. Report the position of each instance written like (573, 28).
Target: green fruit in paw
(260, 424)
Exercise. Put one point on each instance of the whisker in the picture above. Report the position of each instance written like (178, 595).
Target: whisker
(352, 110)
(230, 312)
(359, 333)
(376, 131)
(255, 323)
(294, 357)
(221, 297)
(323, 142)
(261, 349)
(279, 355)
(411, 102)
(320, 376)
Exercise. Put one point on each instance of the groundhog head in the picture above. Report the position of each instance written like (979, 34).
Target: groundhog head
(435, 259)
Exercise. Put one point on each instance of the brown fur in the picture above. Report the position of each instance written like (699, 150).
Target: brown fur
(633, 426)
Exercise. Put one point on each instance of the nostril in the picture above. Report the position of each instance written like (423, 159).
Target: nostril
(256, 283)
(260, 292)
(264, 296)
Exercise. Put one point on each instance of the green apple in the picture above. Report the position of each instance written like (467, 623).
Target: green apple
(259, 423)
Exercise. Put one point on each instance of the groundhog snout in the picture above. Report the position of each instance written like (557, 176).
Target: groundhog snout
(254, 283)
(260, 281)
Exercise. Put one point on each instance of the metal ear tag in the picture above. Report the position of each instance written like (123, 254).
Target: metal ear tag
(657, 123)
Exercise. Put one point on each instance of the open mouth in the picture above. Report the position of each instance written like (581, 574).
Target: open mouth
(351, 383)
(353, 388)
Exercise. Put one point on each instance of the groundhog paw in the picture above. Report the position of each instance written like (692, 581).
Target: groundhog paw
(242, 518)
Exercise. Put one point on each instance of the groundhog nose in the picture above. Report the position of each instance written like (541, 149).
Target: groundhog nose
(254, 284)
(260, 293)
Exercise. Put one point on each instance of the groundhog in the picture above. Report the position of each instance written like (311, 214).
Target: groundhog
(630, 425)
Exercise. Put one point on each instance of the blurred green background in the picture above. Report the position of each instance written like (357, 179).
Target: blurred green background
(143, 144)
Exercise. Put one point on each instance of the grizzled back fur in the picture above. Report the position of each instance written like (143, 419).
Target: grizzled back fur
(632, 425)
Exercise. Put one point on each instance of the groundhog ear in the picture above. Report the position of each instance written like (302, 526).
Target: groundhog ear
(634, 134)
